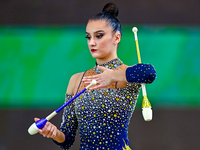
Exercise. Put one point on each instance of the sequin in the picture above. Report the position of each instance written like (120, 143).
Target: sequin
(101, 115)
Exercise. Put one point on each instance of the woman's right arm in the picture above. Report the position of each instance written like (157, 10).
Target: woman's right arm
(50, 130)
(69, 125)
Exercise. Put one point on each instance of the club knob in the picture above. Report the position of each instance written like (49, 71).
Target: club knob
(33, 129)
(147, 113)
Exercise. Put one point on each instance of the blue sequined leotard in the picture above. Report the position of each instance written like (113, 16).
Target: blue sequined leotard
(102, 116)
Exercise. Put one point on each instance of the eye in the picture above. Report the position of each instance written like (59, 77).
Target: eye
(88, 37)
(99, 36)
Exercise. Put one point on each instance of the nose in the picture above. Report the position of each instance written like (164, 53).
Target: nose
(92, 42)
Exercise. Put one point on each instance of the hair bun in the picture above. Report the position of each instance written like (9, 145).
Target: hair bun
(111, 8)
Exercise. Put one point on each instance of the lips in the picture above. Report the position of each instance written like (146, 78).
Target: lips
(93, 50)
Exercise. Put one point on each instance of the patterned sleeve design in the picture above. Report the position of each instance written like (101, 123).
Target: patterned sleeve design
(69, 124)
(141, 73)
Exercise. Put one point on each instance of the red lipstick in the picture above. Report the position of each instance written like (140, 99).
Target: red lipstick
(93, 50)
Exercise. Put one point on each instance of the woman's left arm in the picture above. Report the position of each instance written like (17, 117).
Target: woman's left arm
(139, 73)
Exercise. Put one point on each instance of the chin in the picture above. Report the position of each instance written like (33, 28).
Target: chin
(95, 56)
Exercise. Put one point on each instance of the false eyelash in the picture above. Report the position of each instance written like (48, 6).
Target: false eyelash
(100, 36)
(87, 37)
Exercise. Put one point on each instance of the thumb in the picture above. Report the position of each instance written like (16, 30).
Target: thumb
(102, 68)
(36, 119)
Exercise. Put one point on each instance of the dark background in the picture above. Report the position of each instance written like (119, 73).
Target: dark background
(171, 128)
(23, 12)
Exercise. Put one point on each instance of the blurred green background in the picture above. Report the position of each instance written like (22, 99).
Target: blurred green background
(42, 44)
(36, 63)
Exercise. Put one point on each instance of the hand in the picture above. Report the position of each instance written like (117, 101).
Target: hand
(49, 130)
(104, 79)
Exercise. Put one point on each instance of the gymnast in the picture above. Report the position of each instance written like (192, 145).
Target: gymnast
(102, 113)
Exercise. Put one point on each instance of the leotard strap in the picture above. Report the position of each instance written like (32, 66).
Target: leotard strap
(80, 82)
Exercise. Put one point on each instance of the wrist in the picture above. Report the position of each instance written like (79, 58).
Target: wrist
(60, 137)
(113, 76)
(118, 75)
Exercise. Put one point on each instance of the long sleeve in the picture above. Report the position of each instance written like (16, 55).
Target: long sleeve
(69, 124)
(141, 73)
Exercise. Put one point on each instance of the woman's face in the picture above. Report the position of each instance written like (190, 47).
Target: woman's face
(102, 41)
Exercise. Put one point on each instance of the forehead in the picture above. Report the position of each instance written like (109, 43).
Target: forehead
(97, 25)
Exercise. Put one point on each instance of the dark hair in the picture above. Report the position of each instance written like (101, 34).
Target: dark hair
(109, 14)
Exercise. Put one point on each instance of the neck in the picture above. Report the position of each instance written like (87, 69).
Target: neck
(105, 60)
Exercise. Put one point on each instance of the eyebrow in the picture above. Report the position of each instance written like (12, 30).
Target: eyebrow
(96, 31)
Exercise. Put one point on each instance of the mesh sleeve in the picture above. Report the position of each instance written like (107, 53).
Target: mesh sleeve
(69, 124)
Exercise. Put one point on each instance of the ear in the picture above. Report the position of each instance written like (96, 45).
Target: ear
(117, 38)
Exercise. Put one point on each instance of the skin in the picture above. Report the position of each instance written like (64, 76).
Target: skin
(102, 44)
(106, 51)
(106, 78)
(103, 40)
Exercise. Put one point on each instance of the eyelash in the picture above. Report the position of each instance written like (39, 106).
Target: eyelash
(99, 36)
(88, 37)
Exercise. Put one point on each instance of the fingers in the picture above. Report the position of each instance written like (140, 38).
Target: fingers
(104, 79)
(48, 131)
(100, 84)
(88, 79)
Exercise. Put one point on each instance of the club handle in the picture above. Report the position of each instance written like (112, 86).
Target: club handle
(78, 94)
(146, 105)
(33, 129)
(51, 115)
(138, 52)
(134, 29)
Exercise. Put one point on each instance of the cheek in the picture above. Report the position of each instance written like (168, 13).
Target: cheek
(102, 44)
(105, 43)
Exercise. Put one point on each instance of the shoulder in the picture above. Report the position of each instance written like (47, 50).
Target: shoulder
(75, 76)
(74, 82)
